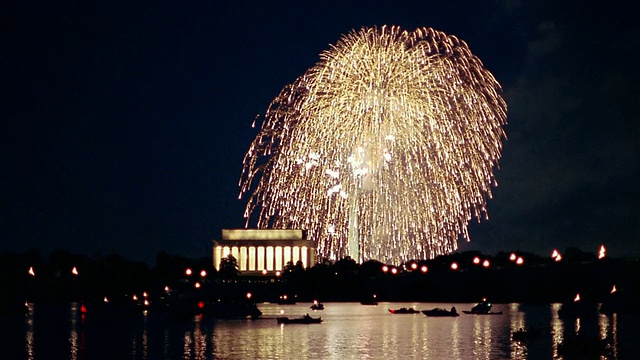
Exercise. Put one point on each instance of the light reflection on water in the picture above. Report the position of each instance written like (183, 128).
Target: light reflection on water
(349, 331)
(517, 321)
(28, 334)
(73, 334)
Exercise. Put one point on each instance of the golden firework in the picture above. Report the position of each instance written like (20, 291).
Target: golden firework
(384, 149)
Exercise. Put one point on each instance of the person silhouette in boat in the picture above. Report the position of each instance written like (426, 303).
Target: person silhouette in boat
(453, 310)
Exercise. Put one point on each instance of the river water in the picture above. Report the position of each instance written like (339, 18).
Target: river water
(348, 331)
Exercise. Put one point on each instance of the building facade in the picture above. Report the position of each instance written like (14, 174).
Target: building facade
(264, 249)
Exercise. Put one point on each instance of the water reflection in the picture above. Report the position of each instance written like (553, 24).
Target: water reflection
(348, 331)
(29, 333)
(518, 349)
(73, 333)
(557, 328)
(482, 336)
(165, 344)
(199, 341)
(614, 335)
(455, 337)
(187, 345)
(598, 328)
(140, 342)
(608, 326)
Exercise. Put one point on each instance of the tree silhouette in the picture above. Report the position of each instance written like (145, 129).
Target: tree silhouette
(229, 267)
(346, 267)
(289, 267)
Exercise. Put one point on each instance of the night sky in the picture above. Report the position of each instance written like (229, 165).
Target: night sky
(124, 124)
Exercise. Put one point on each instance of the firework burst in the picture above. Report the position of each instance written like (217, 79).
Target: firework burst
(384, 149)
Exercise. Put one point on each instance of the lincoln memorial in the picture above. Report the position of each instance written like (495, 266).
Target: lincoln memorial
(265, 249)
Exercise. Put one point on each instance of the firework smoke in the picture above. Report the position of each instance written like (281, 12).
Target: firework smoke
(384, 149)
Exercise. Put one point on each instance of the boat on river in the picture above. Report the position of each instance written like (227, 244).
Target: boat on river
(404, 310)
(306, 319)
(317, 305)
(369, 300)
(483, 308)
(441, 312)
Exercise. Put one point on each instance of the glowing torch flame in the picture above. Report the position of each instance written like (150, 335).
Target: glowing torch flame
(32, 272)
(613, 289)
(602, 252)
(577, 298)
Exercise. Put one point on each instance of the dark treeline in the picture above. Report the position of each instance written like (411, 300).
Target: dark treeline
(537, 279)
(31, 277)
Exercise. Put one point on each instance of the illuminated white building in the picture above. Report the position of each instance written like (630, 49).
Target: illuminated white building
(266, 249)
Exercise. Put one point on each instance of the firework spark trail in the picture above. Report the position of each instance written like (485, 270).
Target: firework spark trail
(399, 129)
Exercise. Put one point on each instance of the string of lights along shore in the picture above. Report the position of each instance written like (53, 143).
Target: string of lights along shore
(385, 149)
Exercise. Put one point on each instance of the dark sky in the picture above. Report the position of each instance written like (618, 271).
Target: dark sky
(124, 124)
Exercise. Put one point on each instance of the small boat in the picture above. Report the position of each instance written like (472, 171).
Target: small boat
(368, 302)
(317, 305)
(404, 310)
(301, 320)
(441, 312)
(483, 308)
